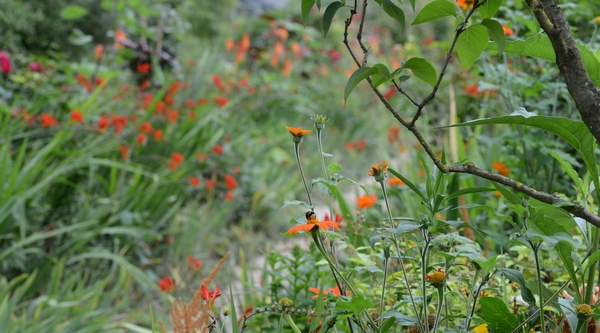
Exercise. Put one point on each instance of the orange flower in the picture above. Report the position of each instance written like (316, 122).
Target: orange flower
(287, 67)
(176, 159)
(390, 93)
(189, 103)
(158, 135)
(312, 223)
(465, 4)
(230, 182)
(507, 31)
(103, 124)
(194, 263)
(218, 149)
(76, 117)
(366, 201)
(361, 144)
(201, 157)
(472, 90)
(393, 133)
(209, 184)
(350, 146)
(221, 101)
(396, 181)
(229, 44)
(167, 284)
(228, 196)
(141, 139)
(501, 168)
(194, 181)
(98, 51)
(421, 173)
(298, 132)
(169, 100)
(124, 149)
(334, 290)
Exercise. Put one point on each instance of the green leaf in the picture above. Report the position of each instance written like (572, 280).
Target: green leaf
(540, 46)
(307, 5)
(422, 69)
(495, 313)
(496, 33)
(372, 269)
(73, 12)
(489, 8)
(515, 276)
(401, 319)
(470, 44)
(568, 168)
(295, 203)
(359, 75)
(574, 132)
(395, 12)
(336, 194)
(234, 321)
(408, 183)
(435, 10)
(355, 304)
(329, 14)
(334, 168)
(564, 250)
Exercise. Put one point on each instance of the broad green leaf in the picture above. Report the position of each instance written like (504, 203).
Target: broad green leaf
(471, 43)
(401, 319)
(295, 203)
(394, 12)
(516, 276)
(568, 168)
(489, 8)
(359, 75)
(307, 5)
(355, 304)
(496, 33)
(408, 183)
(592, 260)
(372, 269)
(574, 132)
(564, 250)
(73, 12)
(336, 194)
(329, 14)
(539, 46)
(422, 69)
(334, 167)
(435, 10)
(495, 313)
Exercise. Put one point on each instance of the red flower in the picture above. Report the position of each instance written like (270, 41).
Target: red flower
(167, 284)
(366, 201)
(230, 182)
(98, 50)
(393, 133)
(201, 157)
(194, 263)
(146, 127)
(218, 149)
(228, 196)
(143, 68)
(189, 103)
(103, 124)
(390, 93)
(350, 146)
(507, 31)
(361, 144)
(141, 139)
(169, 100)
(5, 62)
(210, 296)
(194, 181)
(158, 134)
(76, 117)
(176, 159)
(48, 120)
(209, 184)
(221, 101)
(202, 101)
(124, 149)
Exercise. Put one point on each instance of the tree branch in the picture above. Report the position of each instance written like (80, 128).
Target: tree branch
(569, 62)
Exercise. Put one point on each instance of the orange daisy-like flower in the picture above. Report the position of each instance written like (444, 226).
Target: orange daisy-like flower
(334, 290)
(501, 168)
(396, 181)
(507, 31)
(366, 201)
(437, 279)
(465, 4)
(312, 223)
(298, 132)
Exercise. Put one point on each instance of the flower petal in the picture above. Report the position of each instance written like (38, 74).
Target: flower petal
(295, 229)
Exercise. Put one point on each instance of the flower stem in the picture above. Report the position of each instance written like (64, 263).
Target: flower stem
(387, 204)
(319, 143)
(408, 287)
(439, 309)
(291, 323)
(297, 153)
(538, 269)
(470, 314)
(385, 270)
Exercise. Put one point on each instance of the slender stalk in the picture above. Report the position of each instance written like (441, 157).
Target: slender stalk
(291, 323)
(385, 270)
(439, 309)
(319, 130)
(297, 154)
(589, 287)
(424, 264)
(470, 314)
(408, 288)
(387, 204)
(539, 278)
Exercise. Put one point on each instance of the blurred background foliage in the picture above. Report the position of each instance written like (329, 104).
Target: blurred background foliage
(94, 214)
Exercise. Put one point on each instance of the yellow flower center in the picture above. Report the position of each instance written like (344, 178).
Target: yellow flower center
(437, 277)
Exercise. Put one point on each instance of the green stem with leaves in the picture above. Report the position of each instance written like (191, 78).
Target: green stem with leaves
(470, 313)
(297, 154)
(538, 269)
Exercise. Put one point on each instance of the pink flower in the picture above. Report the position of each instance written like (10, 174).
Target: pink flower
(36, 67)
(5, 62)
